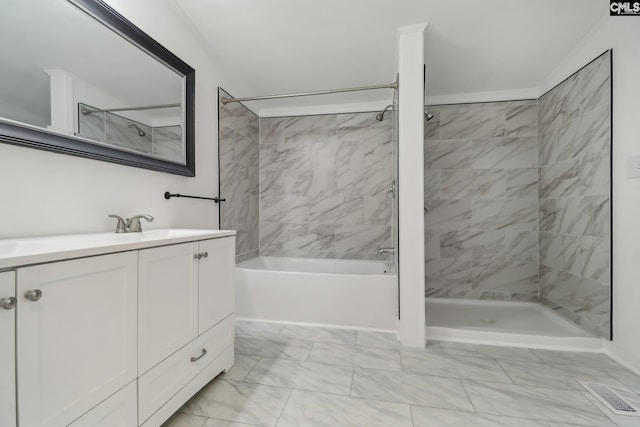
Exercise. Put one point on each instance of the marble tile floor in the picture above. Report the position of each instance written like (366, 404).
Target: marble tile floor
(286, 375)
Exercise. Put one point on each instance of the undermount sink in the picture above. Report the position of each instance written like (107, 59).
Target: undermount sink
(44, 249)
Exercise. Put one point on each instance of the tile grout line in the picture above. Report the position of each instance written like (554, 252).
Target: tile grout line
(468, 397)
(394, 402)
(230, 421)
(413, 423)
(504, 370)
(251, 370)
(306, 358)
(284, 407)
(278, 338)
(280, 331)
(353, 374)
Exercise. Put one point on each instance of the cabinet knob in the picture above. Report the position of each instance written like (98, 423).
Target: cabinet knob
(34, 295)
(197, 256)
(8, 303)
(206, 254)
(195, 359)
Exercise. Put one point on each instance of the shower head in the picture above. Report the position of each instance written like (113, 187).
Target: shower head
(427, 116)
(380, 115)
(141, 133)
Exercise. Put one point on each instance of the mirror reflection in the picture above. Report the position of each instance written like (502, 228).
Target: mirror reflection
(68, 73)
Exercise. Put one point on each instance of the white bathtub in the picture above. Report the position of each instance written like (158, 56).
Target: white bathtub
(361, 294)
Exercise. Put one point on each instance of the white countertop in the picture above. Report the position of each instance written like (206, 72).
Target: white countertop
(36, 250)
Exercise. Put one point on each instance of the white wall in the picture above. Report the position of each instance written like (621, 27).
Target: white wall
(47, 194)
(622, 34)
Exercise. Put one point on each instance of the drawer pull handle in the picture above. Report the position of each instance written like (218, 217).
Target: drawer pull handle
(34, 295)
(8, 303)
(195, 359)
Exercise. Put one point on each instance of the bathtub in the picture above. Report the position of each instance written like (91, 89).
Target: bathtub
(350, 293)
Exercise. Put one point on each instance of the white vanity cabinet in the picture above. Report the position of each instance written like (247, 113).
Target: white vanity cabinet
(76, 335)
(168, 307)
(119, 410)
(216, 281)
(7, 349)
(112, 330)
(185, 318)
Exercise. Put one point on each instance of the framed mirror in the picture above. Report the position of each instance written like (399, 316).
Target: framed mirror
(78, 78)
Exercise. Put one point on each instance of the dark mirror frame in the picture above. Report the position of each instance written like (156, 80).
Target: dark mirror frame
(34, 137)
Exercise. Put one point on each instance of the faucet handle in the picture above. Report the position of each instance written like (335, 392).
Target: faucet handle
(133, 223)
(121, 227)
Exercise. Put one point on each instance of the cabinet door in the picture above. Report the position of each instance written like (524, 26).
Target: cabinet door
(216, 278)
(8, 350)
(76, 336)
(168, 302)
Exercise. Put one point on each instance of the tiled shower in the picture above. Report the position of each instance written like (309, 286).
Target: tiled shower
(481, 190)
(575, 197)
(159, 141)
(518, 199)
(239, 152)
(324, 186)
(517, 193)
(306, 186)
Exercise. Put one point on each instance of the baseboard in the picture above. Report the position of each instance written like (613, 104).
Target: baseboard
(625, 358)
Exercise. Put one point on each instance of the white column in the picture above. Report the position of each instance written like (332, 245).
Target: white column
(411, 327)
(62, 106)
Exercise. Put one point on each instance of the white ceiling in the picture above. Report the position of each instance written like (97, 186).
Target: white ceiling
(283, 46)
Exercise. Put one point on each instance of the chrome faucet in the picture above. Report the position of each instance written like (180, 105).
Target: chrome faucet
(122, 225)
(130, 225)
(133, 223)
(386, 251)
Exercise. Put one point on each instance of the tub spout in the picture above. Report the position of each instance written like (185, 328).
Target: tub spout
(386, 251)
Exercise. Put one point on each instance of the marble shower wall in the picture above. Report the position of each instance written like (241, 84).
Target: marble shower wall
(238, 143)
(167, 143)
(481, 191)
(574, 212)
(164, 142)
(323, 185)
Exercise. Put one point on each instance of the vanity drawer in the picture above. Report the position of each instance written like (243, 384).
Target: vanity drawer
(162, 382)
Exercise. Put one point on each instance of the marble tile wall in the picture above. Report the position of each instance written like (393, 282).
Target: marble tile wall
(481, 191)
(164, 142)
(91, 126)
(167, 143)
(114, 130)
(120, 134)
(239, 152)
(574, 192)
(323, 186)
